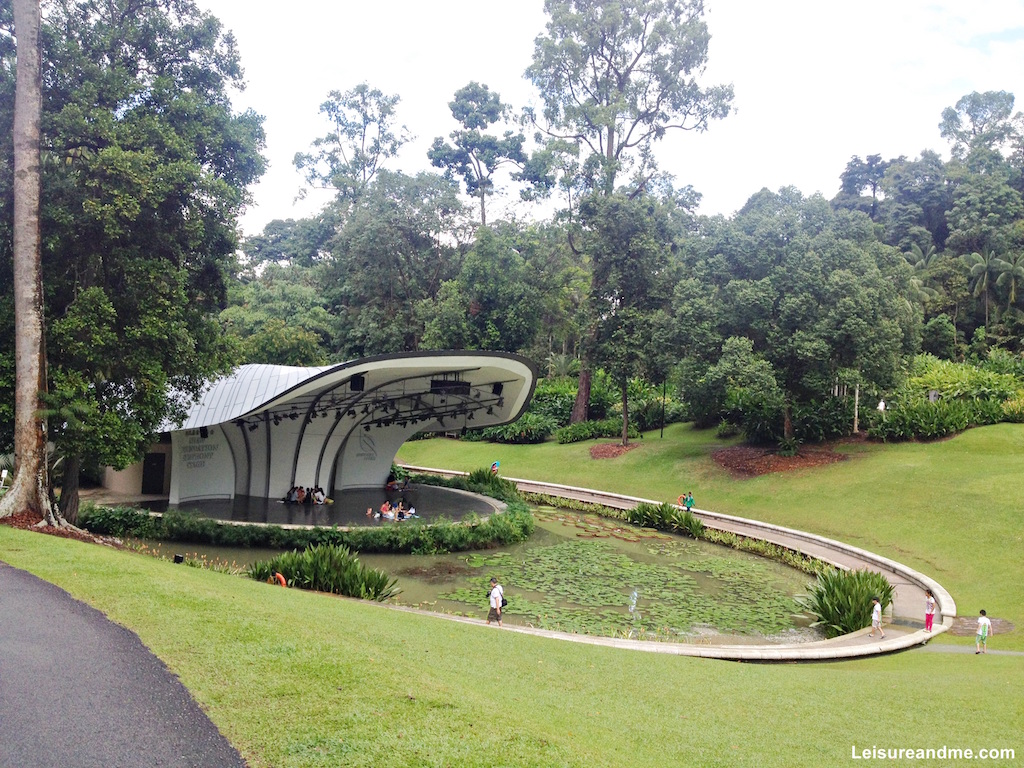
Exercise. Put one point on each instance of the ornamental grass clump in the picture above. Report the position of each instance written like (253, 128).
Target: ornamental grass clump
(841, 600)
(328, 568)
(665, 517)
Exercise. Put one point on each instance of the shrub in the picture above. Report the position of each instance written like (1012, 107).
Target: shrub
(514, 525)
(820, 420)
(665, 517)
(553, 398)
(528, 428)
(789, 446)
(646, 412)
(327, 568)
(590, 430)
(1013, 409)
(727, 429)
(841, 600)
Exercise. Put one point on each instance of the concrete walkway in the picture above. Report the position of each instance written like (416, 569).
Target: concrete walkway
(78, 690)
(903, 626)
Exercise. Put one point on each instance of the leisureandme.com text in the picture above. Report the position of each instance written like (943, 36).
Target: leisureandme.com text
(932, 753)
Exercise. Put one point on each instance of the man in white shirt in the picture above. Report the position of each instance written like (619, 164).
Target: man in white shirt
(497, 593)
(984, 630)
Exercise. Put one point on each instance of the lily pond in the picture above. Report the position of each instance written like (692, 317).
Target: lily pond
(588, 574)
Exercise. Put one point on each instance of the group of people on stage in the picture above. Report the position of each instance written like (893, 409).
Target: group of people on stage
(299, 495)
(388, 511)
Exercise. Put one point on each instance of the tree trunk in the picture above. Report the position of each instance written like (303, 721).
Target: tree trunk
(483, 208)
(787, 421)
(581, 408)
(856, 408)
(625, 413)
(29, 491)
(69, 489)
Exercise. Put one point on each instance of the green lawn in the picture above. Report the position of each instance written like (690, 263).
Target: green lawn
(297, 679)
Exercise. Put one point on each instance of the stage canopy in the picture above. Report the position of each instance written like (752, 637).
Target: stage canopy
(265, 428)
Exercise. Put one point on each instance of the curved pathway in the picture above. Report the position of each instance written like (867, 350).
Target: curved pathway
(904, 627)
(78, 690)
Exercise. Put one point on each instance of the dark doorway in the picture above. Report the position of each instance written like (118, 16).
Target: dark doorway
(153, 473)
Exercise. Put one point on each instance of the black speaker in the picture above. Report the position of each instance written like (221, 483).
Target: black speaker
(204, 432)
(497, 388)
(357, 383)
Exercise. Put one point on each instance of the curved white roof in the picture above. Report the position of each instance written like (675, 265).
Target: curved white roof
(251, 390)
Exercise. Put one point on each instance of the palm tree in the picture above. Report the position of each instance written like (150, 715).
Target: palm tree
(921, 260)
(982, 265)
(1011, 274)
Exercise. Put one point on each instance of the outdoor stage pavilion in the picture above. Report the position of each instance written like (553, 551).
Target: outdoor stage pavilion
(265, 428)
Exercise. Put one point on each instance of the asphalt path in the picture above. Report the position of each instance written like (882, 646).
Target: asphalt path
(77, 690)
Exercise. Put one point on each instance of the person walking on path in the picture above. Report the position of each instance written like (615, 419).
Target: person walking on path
(688, 501)
(876, 618)
(984, 630)
(929, 610)
(496, 598)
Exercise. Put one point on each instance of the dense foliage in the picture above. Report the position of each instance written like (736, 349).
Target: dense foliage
(509, 527)
(841, 600)
(327, 568)
(773, 321)
(145, 169)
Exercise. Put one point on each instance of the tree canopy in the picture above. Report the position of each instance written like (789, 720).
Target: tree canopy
(145, 168)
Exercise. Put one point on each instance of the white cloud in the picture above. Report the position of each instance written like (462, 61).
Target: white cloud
(816, 82)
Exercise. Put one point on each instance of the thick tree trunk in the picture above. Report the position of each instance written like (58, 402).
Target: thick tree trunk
(29, 491)
(625, 413)
(581, 408)
(69, 489)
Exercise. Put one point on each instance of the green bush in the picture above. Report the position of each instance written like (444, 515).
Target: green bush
(819, 420)
(665, 517)
(840, 601)
(528, 428)
(327, 568)
(590, 430)
(727, 429)
(553, 398)
(646, 412)
(1013, 409)
(514, 525)
(960, 381)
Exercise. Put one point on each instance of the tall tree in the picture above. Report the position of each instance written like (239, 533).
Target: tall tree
(863, 175)
(824, 302)
(978, 121)
(400, 242)
(984, 268)
(627, 241)
(615, 77)
(490, 305)
(363, 136)
(30, 489)
(475, 155)
(146, 170)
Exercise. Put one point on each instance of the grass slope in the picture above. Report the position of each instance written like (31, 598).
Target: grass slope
(299, 679)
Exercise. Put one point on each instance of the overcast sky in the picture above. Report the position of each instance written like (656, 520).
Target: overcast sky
(816, 82)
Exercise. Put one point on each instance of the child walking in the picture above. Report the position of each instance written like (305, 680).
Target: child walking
(984, 630)
(929, 610)
(876, 618)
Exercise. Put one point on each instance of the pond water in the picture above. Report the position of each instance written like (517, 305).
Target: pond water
(583, 573)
